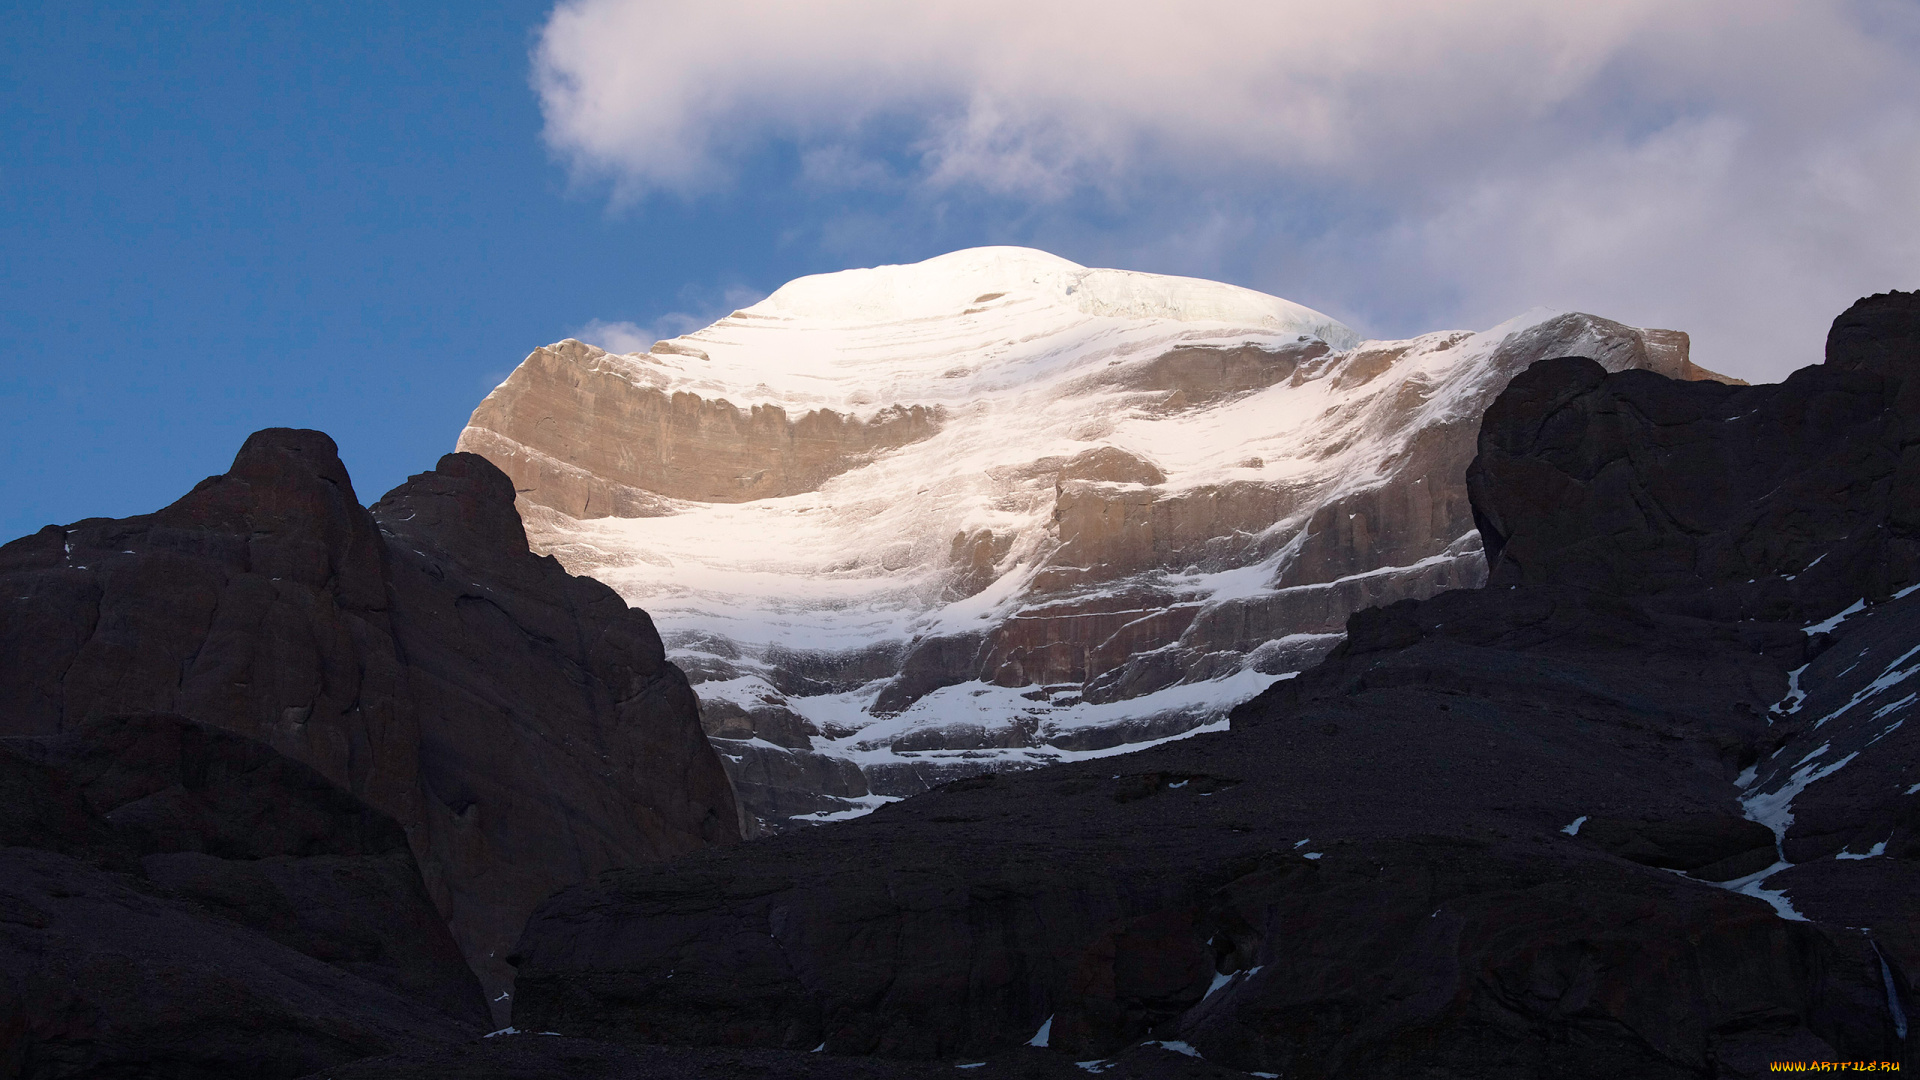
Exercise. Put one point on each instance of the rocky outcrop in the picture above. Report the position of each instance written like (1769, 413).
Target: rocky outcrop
(1594, 480)
(521, 725)
(177, 900)
(592, 435)
(1658, 823)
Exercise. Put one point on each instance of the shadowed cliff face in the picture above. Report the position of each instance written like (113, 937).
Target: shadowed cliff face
(521, 725)
(178, 900)
(1585, 821)
(1066, 535)
(1702, 494)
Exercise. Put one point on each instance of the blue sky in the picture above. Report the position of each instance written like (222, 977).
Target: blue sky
(358, 217)
(216, 218)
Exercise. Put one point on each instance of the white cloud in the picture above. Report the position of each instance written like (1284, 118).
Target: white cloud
(703, 308)
(1714, 165)
(618, 337)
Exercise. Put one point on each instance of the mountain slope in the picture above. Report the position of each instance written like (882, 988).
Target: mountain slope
(997, 509)
(522, 726)
(176, 900)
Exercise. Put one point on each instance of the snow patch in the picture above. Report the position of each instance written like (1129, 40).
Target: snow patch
(1827, 625)
(1774, 809)
(1776, 897)
(1892, 676)
(1219, 981)
(1045, 1035)
(867, 804)
(1796, 696)
(1875, 851)
(1573, 827)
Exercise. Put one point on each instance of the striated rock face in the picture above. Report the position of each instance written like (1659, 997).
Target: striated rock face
(1584, 821)
(997, 510)
(522, 726)
(594, 435)
(177, 900)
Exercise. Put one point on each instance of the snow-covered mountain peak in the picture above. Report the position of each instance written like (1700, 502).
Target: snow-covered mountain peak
(947, 329)
(959, 283)
(996, 507)
(945, 285)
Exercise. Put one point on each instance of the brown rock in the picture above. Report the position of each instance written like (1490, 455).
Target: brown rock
(583, 431)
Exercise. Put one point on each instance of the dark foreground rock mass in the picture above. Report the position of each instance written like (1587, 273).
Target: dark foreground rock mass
(1644, 805)
(177, 900)
(548, 1056)
(521, 726)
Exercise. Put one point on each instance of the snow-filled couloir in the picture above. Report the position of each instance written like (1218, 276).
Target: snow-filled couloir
(997, 509)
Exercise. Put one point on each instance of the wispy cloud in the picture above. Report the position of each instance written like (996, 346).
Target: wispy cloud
(619, 337)
(702, 308)
(1737, 168)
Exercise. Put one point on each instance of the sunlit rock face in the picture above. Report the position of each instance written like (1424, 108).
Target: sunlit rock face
(997, 509)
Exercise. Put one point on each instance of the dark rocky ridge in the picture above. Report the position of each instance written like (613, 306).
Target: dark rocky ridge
(522, 726)
(1498, 832)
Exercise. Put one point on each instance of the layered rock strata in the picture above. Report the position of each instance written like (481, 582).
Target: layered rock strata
(521, 725)
(593, 435)
(1645, 804)
(996, 509)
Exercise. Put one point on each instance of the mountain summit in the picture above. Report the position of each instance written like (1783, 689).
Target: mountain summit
(997, 509)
